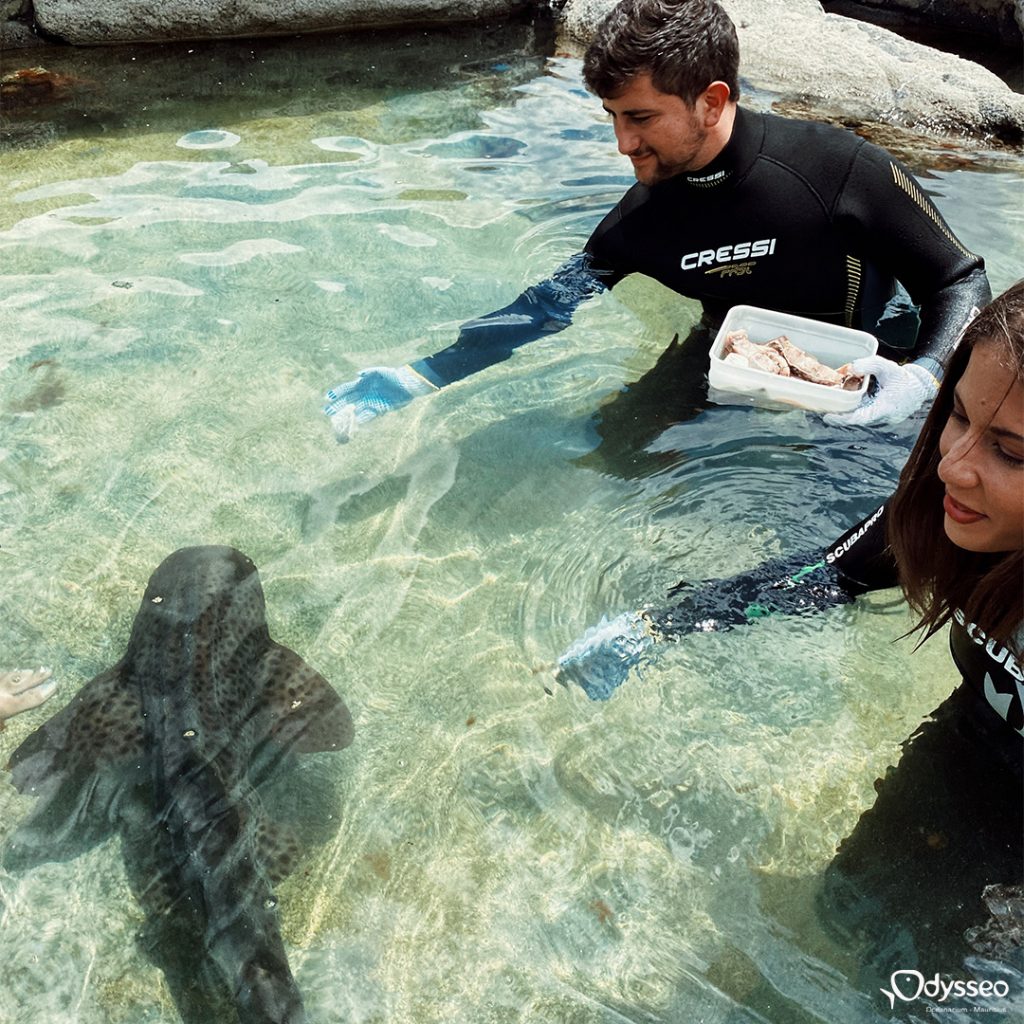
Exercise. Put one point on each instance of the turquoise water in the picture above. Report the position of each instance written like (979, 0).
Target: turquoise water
(174, 305)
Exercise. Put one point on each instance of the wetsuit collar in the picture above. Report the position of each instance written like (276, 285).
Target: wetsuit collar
(735, 159)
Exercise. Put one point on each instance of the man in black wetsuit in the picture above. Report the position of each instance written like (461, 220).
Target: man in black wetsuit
(730, 207)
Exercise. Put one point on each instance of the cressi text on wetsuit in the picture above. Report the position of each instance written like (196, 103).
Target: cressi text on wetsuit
(794, 216)
(856, 563)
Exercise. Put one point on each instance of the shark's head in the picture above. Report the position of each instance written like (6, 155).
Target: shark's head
(193, 584)
(199, 599)
(213, 570)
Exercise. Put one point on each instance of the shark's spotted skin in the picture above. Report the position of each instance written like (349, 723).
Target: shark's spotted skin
(170, 749)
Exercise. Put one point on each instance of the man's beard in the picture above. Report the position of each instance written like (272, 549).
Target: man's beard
(658, 170)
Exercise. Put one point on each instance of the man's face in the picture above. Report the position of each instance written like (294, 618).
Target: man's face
(659, 132)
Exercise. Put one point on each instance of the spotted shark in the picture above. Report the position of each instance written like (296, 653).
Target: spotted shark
(178, 749)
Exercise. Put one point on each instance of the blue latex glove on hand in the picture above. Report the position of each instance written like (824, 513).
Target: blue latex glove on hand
(602, 658)
(900, 390)
(375, 391)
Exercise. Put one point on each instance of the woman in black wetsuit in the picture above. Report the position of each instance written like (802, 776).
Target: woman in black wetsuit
(945, 833)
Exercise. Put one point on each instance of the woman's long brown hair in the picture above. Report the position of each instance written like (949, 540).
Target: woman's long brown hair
(937, 577)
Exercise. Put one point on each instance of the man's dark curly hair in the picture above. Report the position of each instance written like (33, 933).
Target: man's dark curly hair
(684, 45)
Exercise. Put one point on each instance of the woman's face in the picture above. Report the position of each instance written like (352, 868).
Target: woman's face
(982, 448)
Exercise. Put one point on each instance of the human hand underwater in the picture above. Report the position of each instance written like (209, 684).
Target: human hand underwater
(601, 659)
(22, 689)
(375, 391)
(899, 391)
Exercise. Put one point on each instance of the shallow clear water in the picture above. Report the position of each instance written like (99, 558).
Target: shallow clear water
(174, 305)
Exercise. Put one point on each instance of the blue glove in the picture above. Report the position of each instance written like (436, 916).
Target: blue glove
(374, 392)
(900, 390)
(601, 659)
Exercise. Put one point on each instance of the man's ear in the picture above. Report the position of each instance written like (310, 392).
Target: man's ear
(713, 101)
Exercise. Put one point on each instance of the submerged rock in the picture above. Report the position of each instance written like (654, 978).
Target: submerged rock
(1002, 935)
(29, 87)
(16, 35)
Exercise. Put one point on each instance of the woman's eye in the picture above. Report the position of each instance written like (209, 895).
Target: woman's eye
(1011, 458)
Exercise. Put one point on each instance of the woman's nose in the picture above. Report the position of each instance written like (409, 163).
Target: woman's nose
(958, 466)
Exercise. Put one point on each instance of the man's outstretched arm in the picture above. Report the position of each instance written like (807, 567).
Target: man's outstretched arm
(544, 308)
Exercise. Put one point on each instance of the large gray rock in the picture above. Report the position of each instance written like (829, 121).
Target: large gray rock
(836, 66)
(111, 21)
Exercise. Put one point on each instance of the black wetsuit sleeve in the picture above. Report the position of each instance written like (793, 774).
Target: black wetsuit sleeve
(897, 227)
(542, 309)
(857, 562)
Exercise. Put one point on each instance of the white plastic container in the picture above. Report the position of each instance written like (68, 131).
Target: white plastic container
(831, 345)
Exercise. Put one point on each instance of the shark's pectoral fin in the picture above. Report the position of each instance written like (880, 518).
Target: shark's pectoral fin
(101, 726)
(309, 714)
(77, 765)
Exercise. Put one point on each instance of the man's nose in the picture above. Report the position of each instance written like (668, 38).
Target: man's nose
(627, 138)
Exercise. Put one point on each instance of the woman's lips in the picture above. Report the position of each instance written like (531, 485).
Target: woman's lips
(960, 513)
